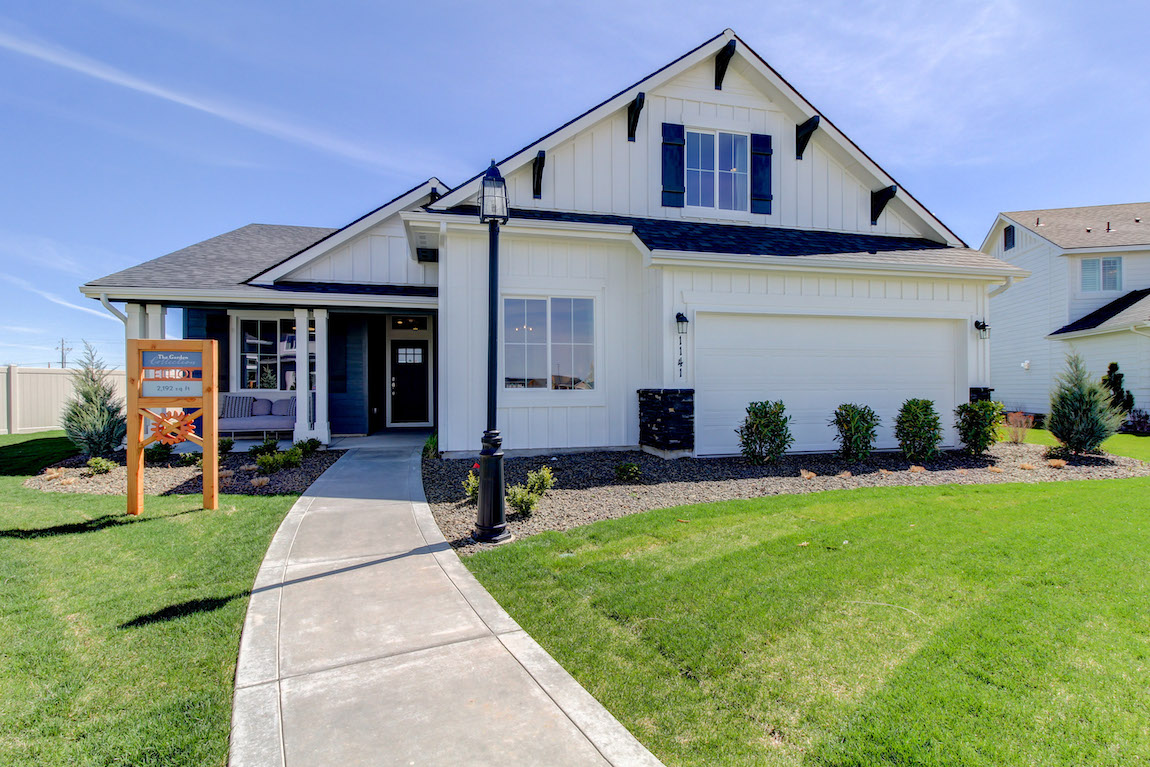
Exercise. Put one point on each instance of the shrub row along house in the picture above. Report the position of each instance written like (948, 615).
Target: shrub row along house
(700, 240)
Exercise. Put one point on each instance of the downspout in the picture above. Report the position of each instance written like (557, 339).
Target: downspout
(1001, 288)
(113, 310)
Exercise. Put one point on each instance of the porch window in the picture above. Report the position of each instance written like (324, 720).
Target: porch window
(269, 352)
(549, 343)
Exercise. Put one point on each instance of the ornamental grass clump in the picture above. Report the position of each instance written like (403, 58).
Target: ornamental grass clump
(856, 427)
(766, 432)
(918, 430)
(94, 418)
(1082, 415)
(1017, 425)
(977, 424)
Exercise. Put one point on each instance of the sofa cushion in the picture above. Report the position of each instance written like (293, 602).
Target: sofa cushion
(261, 407)
(284, 407)
(237, 406)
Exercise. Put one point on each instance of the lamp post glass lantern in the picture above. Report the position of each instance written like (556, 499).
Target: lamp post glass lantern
(491, 519)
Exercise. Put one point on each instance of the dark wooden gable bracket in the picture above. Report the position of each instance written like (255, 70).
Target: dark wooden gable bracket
(537, 174)
(722, 59)
(633, 111)
(803, 133)
(878, 201)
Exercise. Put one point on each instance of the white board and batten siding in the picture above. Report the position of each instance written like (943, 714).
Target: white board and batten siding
(379, 256)
(600, 171)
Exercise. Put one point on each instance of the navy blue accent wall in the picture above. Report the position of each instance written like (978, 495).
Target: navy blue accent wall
(211, 323)
(674, 165)
(760, 173)
(347, 374)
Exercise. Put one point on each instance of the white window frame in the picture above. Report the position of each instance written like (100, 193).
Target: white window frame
(547, 395)
(235, 336)
(1100, 260)
(714, 210)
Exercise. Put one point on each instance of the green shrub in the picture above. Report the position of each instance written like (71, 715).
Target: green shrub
(307, 446)
(977, 424)
(628, 471)
(94, 419)
(270, 463)
(1120, 399)
(855, 429)
(431, 446)
(540, 481)
(158, 453)
(521, 499)
(269, 446)
(766, 433)
(98, 465)
(292, 457)
(226, 444)
(471, 486)
(918, 430)
(1081, 414)
(192, 459)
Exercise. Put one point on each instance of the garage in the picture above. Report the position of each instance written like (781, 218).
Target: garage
(815, 363)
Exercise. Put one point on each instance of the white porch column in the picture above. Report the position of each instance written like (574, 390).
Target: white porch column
(322, 425)
(134, 327)
(156, 315)
(302, 427)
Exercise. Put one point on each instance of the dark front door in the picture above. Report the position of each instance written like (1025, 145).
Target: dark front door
(409, 366)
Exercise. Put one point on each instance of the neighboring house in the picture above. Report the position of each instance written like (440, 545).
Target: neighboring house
(1089, 293)
(710, 189)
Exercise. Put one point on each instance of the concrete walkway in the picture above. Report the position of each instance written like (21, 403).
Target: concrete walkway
(368, 643)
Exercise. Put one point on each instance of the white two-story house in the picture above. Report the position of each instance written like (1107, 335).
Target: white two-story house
(1088, 293)
(703, 238)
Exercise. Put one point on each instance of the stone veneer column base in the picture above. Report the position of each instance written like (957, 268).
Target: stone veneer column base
(667, 422)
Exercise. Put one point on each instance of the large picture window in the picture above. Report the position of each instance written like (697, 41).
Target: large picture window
(269, 352)
(1101, 274)
(549, 343)
(717, 170)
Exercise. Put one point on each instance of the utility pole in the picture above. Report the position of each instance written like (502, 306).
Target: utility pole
(64, 349)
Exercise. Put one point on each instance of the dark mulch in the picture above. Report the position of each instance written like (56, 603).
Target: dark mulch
(174, 478)
(586, 489)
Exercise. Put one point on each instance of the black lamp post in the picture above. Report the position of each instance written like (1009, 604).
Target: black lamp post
(491, 522)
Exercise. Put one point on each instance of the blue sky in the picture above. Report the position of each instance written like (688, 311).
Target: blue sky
(132, 128)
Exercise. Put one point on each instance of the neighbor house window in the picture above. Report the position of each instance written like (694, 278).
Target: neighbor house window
(269, 352)
(549, 343)
(1008, 237)
(1101, 274)
(717, 170)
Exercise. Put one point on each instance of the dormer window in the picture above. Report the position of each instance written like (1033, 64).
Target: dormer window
(1008, 237)
(718, 170)
(1101, 274)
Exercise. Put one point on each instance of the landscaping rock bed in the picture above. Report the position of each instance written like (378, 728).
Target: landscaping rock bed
(586, 489)
(173, 478)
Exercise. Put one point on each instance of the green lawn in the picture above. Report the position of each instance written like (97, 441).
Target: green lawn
(1129, 445)
(972, 625)
(118, 635)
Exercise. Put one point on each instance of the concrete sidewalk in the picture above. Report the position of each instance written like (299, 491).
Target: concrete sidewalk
(368, 643)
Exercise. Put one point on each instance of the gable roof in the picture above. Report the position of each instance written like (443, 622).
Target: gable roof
(223, 261)
(459, 194)
(1120, 314)
(1085, 227)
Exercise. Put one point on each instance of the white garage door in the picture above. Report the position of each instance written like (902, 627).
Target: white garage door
(814, 364)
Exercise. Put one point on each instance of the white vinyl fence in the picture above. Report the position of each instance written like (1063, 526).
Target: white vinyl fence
(34, 398)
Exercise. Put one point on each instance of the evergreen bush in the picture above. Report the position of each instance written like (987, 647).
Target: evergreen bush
(158, 452)
(94, 418)
(977, 424)
(628, 471)
(269, 446)
(1082, 415)
(226, 444)
(918, 430)
(766, 432)
(540, 481)
(471, 485)
(98, 465)
(521, 499)
(855, 429)
(270, 463)
(1120, 399)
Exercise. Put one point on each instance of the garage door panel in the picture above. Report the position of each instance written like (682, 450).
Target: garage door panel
(813, 364)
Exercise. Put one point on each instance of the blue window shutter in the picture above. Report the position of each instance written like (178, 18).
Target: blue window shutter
(674, 165)
(1008, 237)
(760, 173)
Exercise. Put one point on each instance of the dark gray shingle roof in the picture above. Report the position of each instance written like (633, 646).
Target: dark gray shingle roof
(1086, 227)
(221, 262)
(1131, 309)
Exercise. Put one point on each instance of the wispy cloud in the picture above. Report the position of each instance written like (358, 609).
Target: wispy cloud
(21, 329)
(30, 288)
(28, 347)
(41, 251)
(262, 122)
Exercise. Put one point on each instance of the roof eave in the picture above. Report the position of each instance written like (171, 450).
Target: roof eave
(830, 262)
(244, 294)
(1123, 328)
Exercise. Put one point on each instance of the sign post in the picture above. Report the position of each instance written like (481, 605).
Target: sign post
(170, 385)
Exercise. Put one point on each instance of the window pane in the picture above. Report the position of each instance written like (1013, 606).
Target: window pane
(741, 159)
(1112, 274)
(561, 366)
(561, 321)
(251, 371)
(513, 320)
(514, 376)
(536, 366)
(707, 151)
(287, 340)
(250, 332)
(1090, 276)
(726, 152)
(742, 186)
(693, 184)
(692, 150)
(727, 191)
(287, 375)
(269, 378)
(707, 189)
(582, 320)
(268, 336)
(535, 316)
(584, 366)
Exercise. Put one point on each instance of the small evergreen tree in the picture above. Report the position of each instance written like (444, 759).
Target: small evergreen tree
(1081, 414)
(94, 419)
(1119, 397)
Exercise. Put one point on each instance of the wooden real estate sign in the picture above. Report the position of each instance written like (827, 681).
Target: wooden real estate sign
(170, 385)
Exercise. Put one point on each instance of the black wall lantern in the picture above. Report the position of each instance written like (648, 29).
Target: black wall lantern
(681, 321)
(983, 328)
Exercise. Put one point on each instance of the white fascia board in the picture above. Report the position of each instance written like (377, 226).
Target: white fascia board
(1103, 249)
(342, 236)
(807, 264)
(527, 154)
(984, 247)
(457, 222)
(284, 298)
(1127, 328)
